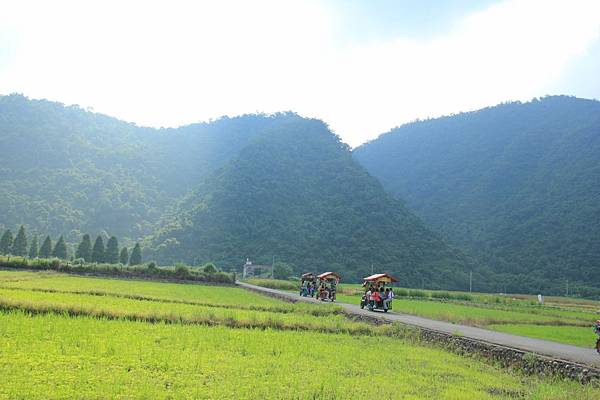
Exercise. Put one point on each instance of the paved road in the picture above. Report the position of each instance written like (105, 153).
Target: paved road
(565, 352)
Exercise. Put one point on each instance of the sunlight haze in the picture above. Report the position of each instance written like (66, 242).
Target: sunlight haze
(362, 67)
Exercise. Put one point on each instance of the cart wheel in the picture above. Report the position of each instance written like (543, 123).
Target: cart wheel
(385, 310)
(362, 306)
(598, 345)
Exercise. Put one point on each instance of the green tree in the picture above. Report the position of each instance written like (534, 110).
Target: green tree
(84, 250)
(46, 249)
(60, 250)
(124, 256)
(136, 255)
(111, 255)
(98, 250)
(6, 242)
(33, 248)
(209, 268)
(19, 247)
(282, 270)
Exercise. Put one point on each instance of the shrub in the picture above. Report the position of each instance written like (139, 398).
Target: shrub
(209, 268)
(417, 293)
(400, 292)
(441, 295)
(275, 284)
(462, 296)
(182, 271)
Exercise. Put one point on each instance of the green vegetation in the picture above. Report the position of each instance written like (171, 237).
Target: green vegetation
(33, 248)
(67, 171)
(578, 336)
(149, 271)
(84, 250)
(46, 249)
(564, 320)
(296, 192)
(515, 185)
(19, 247)
(104, 342)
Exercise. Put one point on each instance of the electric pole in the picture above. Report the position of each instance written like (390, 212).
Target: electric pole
(470, 281)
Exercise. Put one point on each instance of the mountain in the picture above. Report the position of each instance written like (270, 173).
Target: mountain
(516, 185)
(296, 193)
(66, 170)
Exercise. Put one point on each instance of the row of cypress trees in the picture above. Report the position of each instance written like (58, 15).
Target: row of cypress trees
(110, 254)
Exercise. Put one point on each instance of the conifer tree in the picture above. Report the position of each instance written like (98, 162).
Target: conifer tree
(111, 255)
(19, 247)
(124, 256)
(33, 249)
(136, 255)
(60, 250)
(6, 242)
(84, 250)
(98, 250)
(46, 249)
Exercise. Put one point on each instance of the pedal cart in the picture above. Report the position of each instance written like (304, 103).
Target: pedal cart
(308, 284)
(327, 286)
(378, 292)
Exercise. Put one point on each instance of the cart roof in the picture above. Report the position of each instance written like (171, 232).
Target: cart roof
(329, 274)
(309, 275)
(380, 278)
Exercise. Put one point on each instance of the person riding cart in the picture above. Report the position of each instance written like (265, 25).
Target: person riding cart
(378, 294)
(328, 282)
(307, 284)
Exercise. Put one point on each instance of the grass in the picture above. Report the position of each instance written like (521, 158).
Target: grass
(578, 336)
(72, 337)
(178, 272)
(564, 320)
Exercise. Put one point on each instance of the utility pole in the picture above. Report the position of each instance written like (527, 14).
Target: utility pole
(273, 268)
(371, 269)
(470, 281)
(567, 288)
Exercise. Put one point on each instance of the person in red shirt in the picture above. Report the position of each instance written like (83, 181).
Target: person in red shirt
(375, 297)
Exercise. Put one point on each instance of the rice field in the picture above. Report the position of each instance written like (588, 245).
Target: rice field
(89, 338)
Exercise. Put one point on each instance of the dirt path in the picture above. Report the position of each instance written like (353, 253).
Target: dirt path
(547, 348)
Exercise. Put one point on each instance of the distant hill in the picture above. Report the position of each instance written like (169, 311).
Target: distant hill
(296, 193)
(67, 170)
(254, 186)
(516, 185)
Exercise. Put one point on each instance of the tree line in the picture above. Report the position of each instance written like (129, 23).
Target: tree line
(19, 245)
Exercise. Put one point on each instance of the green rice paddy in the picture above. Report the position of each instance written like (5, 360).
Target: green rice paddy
(89, 338)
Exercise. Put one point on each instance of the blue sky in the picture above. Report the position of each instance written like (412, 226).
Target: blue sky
(363, 66)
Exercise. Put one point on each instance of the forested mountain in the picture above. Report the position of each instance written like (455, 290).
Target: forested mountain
(67, 170)
(296, 193)
(516, 185)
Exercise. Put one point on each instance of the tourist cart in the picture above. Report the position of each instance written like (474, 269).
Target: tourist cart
(327, 286)
(380, 283)
(308, 284)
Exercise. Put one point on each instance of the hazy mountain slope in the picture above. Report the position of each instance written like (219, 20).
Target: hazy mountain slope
(297, 194)
(518, 185)
(66, 170)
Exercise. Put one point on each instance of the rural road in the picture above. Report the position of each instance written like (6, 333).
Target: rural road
(572, 354)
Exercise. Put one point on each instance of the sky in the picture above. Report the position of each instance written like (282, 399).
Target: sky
(363, 67)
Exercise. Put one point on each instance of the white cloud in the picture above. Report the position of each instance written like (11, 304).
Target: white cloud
(169, 63)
